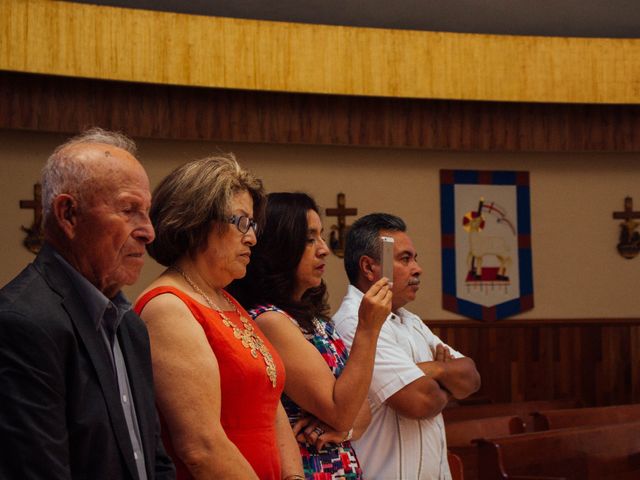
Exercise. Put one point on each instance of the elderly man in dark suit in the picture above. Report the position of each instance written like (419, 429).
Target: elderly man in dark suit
(76, 387)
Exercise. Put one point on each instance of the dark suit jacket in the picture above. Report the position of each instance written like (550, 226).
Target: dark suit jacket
(60, 410)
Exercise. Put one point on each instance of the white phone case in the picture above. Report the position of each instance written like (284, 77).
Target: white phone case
(386, 256)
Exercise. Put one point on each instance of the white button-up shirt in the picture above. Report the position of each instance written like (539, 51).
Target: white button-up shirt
(395, 447)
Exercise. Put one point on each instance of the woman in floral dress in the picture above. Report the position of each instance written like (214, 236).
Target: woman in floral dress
(326, 387)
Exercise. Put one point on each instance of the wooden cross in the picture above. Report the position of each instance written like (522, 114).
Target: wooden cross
(339, 232)
(35, 234)
(628, 212)
(629, 243)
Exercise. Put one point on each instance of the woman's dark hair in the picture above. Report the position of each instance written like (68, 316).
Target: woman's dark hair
(271, 274)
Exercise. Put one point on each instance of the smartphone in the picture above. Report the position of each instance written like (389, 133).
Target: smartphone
(386, 257)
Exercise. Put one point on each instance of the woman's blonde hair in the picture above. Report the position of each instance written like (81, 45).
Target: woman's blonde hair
(195, 197)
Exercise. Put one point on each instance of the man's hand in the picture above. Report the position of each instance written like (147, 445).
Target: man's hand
(456, 376)
(442, 353)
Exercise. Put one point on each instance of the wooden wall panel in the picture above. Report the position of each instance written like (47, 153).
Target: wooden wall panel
(60, 104)
(594, 361)
(79, 40)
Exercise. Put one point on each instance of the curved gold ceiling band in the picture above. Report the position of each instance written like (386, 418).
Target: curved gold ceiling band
(79, 40)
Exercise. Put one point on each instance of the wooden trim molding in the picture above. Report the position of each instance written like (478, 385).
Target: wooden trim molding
(89, 41)
(68, 105)
(541, 322)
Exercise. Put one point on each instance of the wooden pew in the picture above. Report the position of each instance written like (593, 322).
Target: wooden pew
(460, 437)
(518, 409)
(574, 417)
(463, 432)
(604, 452)
(455, 466)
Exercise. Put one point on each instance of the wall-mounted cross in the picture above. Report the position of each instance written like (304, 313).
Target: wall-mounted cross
(35, 234)
(339, 232)
(629, 243)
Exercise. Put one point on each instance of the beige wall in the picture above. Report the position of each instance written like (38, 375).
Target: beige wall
(577, 271)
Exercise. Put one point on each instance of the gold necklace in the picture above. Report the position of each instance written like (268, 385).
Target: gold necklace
(247, 336)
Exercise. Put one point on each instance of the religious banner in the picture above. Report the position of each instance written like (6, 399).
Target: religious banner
(486, 243)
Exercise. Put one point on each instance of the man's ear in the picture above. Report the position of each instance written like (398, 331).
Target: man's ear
(367, 267)
(65, 212)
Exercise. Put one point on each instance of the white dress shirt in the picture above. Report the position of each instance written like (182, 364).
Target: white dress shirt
(395, 447)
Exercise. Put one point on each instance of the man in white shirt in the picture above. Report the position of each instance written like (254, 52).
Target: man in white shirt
(415, 374)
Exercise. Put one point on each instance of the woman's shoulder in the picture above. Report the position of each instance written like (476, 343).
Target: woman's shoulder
(162, 297)
(271, 313)
(162, 284)
(258, 310)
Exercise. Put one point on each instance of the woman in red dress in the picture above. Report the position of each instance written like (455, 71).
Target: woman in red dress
(218, 379)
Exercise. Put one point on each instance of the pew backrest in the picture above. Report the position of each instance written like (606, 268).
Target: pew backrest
(520, 409)
(460, 437)
(463, 432)
(574, 417)
(604, 452)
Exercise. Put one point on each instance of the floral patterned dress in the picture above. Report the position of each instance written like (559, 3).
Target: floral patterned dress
(334, 461)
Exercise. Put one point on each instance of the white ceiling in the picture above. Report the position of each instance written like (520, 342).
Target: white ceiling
(568, 18)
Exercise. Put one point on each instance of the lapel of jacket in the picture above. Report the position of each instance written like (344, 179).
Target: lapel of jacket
(92, 339)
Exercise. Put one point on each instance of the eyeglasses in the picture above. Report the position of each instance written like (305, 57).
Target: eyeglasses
(243, 223)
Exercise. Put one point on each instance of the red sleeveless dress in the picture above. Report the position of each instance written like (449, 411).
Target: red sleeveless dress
(248, 399)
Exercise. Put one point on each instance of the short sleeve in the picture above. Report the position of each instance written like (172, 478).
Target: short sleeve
(431, 339)
(394, 367)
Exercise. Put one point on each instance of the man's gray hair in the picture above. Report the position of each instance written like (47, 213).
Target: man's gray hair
(364, 239)
(64, 173)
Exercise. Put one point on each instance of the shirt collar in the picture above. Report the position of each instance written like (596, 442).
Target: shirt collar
(358, 295)
(94, 300)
